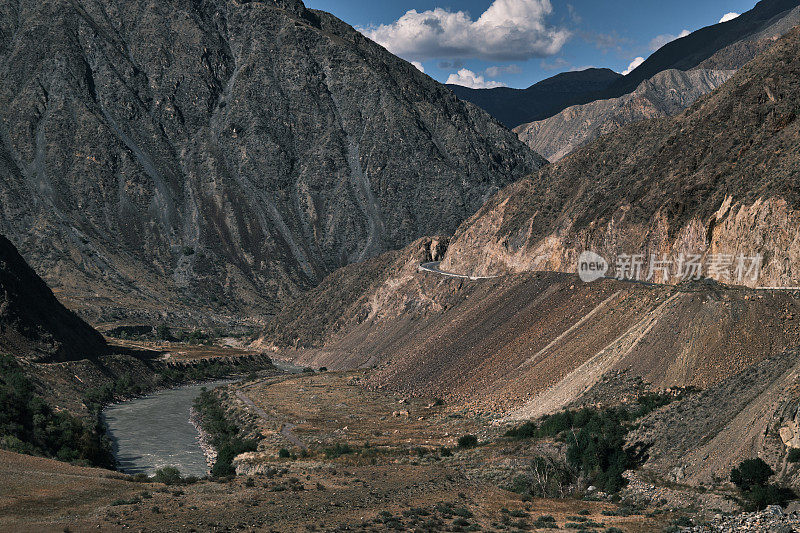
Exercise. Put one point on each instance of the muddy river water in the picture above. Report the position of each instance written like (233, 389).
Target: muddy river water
(154, 431)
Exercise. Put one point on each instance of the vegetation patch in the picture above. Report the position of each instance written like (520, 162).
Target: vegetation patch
(595, 447)
(226, 436)
(752, 479)
(29, 425)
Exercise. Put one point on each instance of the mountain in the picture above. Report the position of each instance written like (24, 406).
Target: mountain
(691, 51)
(34, 325)
(665, 94)
(213, 159)
(513, 107)
(719, 179)
(723, 46)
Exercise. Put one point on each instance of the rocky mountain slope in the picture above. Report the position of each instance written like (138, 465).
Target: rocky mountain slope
(665, 94)
(33, 323)
(513, 107)
(523, 345)
(185, 159)
(720, 179)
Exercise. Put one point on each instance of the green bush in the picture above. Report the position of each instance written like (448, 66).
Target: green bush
(163, 333)
(338, 450)
(525, 431)
(169, 475)
(225, 435)
(760, 496)
(752, 478)
(468, 441)
(283, 453)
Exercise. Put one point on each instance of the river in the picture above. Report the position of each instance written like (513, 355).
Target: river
(154, 431)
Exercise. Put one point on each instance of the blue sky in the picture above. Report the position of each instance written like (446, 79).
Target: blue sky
(486, 43)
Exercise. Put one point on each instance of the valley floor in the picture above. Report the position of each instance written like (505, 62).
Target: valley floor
(374, 462)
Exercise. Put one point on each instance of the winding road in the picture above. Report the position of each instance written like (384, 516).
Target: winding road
(433, 266)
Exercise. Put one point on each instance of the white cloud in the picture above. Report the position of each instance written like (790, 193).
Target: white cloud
(467, 78)
(635, 63)
(494, 72)
(508, 30)
(661, 40)
(419, 66)
(728, 17)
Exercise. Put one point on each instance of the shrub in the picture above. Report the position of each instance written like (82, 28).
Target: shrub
(338, 450)
(283, 453)
(760, 496)
(29, 425)
(525, 431)
(794, 455)
(468, 441)
(163, 333)
(445, 451)
(225, 435)
(752, 476)
(169, 475)
(546, 478)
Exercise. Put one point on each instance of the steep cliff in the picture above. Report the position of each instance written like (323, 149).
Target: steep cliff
(201, 158)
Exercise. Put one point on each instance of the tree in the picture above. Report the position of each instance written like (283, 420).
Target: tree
(751, 473)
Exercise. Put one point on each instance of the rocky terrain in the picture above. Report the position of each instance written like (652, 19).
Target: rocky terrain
(718, 179)
(527, 344)
(218, 157)
(34, 325)
(665, 94)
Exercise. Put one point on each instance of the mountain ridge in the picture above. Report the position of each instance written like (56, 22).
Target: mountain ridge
(513, 107)
(34, 325)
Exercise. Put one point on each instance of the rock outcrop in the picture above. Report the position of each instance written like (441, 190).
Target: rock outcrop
(211, 157)
(33, 324)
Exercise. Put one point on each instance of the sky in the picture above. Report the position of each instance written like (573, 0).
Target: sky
(516, 43)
